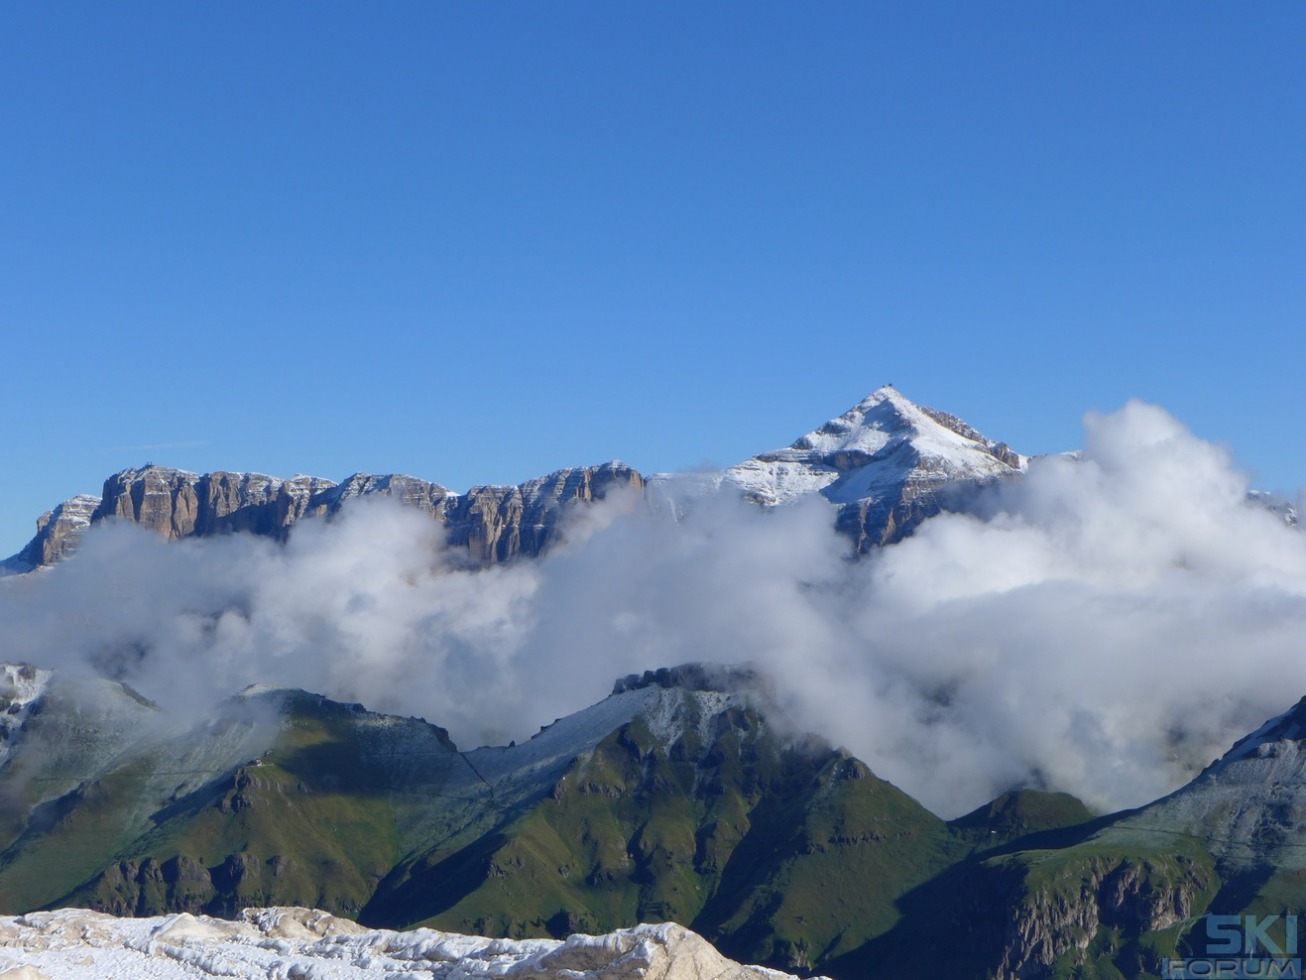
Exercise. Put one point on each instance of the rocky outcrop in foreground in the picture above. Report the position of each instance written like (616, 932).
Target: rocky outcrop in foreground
(296, 942)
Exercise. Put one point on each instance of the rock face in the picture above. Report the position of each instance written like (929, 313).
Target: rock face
(492, 523)
(299, 942)
(1060, 920)
(496, 524)
(178, 504)
(57, 532)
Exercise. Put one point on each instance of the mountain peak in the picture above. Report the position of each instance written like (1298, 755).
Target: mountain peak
(887, 462)
(886, 392)
(869, 425)
(721, 678)
(885, 417)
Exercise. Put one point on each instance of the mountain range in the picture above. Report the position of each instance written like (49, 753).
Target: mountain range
(685, 796)
(885, 465)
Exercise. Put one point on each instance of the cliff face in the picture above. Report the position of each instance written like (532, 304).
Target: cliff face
(57, 532)
(1069, 916)
(178, 504)
(492, 523)
(496, 524)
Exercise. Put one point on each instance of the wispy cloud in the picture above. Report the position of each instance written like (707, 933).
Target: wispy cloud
(150, 447)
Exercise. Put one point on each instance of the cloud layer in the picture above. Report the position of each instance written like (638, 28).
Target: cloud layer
(1105, 625)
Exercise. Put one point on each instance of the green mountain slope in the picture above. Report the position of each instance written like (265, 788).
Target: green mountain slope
(682, 797)
(678, 798)
(1117, 896)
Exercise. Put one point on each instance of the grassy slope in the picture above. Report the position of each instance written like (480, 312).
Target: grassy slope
(311, 822)
(780, 853)
(791, 854)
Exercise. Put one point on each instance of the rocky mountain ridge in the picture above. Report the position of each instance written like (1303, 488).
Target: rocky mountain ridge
(489, 523)
(885, 465)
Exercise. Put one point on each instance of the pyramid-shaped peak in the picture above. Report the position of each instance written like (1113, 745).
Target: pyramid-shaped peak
(885, 393)
(880, 450)
(885, 417)
(884, 410)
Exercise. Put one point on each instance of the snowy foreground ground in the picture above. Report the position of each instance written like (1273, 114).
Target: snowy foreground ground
(302, 944)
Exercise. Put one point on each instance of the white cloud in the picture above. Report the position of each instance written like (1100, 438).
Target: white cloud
(1105, 626)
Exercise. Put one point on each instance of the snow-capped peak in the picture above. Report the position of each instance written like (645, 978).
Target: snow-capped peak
(882, 445)
(866, 427)
(885, 417)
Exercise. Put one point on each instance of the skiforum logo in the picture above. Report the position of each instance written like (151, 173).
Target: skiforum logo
(1241, 947)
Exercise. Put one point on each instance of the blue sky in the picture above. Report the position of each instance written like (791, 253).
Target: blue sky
(478, 242)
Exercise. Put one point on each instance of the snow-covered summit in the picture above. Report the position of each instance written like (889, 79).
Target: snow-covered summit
(1287, 727)
(885, 415)
(887, 462)
(672, 704)
(877, 445)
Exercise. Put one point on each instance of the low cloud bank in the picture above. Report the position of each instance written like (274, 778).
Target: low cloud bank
(1105, 625)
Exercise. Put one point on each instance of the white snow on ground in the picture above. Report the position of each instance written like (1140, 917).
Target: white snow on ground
(303, 944)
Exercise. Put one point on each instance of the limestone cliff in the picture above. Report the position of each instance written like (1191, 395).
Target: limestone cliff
(57, 532)
(1067, 916)
(178, 504)
(492, 523)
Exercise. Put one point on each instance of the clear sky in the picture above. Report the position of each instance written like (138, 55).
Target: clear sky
(478, 242)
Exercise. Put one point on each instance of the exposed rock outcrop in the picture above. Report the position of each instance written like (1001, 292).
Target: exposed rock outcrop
(178, 504)
(496, 524)
(57, 532)
(1066, 915)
